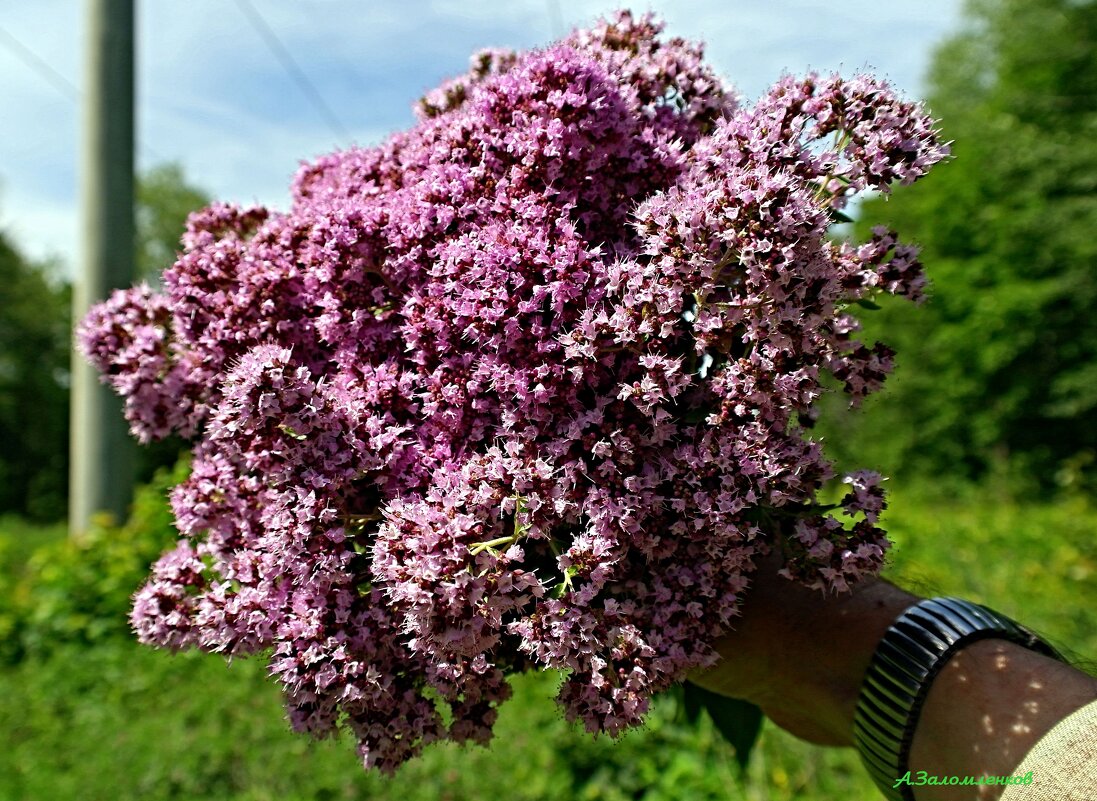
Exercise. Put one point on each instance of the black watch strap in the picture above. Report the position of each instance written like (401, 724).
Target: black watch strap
(908, 657)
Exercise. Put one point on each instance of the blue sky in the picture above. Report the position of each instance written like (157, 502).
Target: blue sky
(213, 97)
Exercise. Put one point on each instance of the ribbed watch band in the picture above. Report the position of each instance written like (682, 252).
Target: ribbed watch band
(909, 656)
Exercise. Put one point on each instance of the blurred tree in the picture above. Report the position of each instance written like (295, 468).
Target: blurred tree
(164, 199)
(34, 403)
(999, 368)
(35, 337)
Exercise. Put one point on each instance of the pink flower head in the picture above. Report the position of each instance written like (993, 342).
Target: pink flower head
(526, 385)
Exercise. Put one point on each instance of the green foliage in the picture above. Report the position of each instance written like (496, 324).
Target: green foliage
(34, 366)
(35, 352)
(739, 721)
(66, 592)
(999, 369)
(18, 542)
(164, 199)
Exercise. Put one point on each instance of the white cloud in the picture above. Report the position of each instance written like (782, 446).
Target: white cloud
(46, 230)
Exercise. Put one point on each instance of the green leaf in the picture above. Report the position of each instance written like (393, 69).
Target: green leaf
(839, 216)
(738, 721)
(865, 303)
(291, 432)
(692, 703)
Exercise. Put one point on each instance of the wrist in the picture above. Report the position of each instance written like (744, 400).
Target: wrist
(816, 689)
(920, 655)
(801, 655)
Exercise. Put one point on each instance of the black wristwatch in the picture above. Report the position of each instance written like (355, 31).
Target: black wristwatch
(907, 659)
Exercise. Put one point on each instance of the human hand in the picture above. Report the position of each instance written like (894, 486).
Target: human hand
(800, 655)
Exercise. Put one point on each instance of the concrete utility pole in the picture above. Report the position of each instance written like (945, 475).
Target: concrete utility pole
(102, 454)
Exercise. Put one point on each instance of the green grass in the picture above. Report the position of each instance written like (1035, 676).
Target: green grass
(127, 722)
(1035, 561)
(117, 721)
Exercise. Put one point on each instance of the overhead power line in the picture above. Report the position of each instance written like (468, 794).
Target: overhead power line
(292, 68)
(40, 66)
(59, 82)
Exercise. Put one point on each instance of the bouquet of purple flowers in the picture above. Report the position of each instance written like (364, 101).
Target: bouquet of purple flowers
(525, 386)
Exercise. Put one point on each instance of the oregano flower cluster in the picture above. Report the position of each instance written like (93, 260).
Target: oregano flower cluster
(525, 386)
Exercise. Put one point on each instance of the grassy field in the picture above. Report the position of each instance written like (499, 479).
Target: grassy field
(107, 719)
